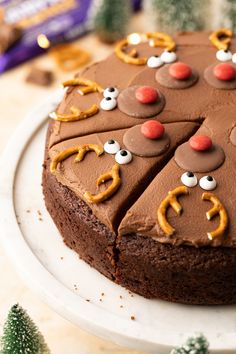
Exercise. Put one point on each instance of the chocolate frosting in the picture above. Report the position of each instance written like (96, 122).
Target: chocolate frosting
(136, 143)
(128, 104)
(165, 79)
(219, 84)
(233, 136)
(199, 161)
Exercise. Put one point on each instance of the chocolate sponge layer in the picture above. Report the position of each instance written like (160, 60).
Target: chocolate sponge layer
(80, 229)
(185, 274)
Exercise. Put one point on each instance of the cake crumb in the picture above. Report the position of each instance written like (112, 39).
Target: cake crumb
(75, 287)
(87, 300)
(62, 258)
(132, 318)
(100, 300)
(102, 294)
(39, 212)
(132, 295)
(121, 297)
(40, 219)
(121, 306)
(27, 211)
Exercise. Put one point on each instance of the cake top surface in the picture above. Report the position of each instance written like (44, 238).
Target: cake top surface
(147, 138)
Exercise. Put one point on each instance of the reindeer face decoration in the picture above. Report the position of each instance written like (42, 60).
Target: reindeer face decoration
(76, 114)
(146, 140)
(111, 147)
(177, 76)
(222, 75)
(197, 155)
(172, 75)
(155, 39)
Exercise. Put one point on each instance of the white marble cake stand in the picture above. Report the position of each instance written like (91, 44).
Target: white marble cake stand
(65, 282)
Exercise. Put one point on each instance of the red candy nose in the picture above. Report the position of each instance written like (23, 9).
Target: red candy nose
(152, 129)
(180, 71)
(200, 142)
(146, 94)
(224, 72)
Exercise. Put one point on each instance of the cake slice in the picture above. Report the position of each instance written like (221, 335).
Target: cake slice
(185, 266)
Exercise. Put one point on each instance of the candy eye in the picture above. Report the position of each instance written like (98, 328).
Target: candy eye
(234, 58)
(111, 146)
(208, 183)
(123, 157)
(154, 62)
(223, 55)
(108, 103)
(189, 179)
(168, 57)
(112, 92)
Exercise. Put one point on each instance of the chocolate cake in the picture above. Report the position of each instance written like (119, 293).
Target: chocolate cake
(140, 164)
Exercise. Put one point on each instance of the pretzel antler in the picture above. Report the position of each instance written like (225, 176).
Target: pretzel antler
(75, 115)
(218, 208)
(129, 58)
(156, 39)
(160, 39)
(88, 85)
(113, 175)
(170, 200)
(80, 150)
(221, 38)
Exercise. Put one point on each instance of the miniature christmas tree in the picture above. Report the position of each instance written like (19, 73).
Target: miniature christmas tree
(230, 13)
(112, 19)
(20, 334)
(194, 345)
(179, 15)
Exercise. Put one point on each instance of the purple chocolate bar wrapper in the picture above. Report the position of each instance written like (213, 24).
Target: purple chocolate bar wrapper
(62, 27)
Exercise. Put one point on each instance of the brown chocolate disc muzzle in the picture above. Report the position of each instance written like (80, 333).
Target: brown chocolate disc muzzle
(128, 104)
(199, 161)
